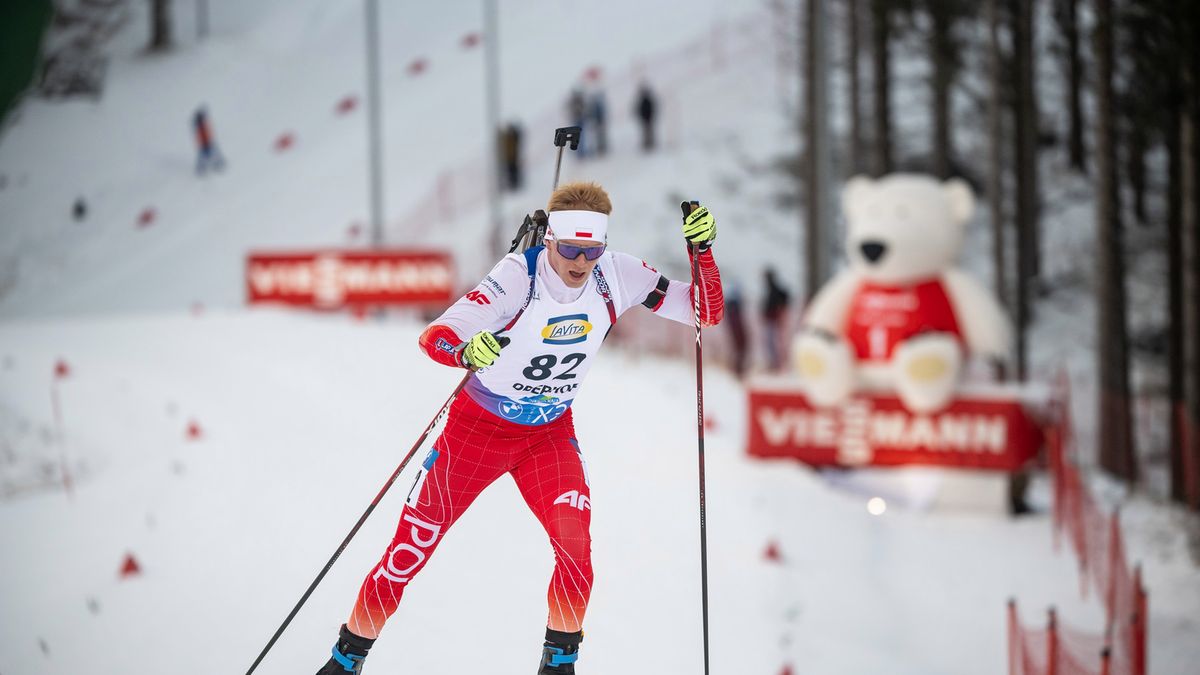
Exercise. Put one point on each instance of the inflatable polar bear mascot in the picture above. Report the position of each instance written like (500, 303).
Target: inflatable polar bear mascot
(901, 317)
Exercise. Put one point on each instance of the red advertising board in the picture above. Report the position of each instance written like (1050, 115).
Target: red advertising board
(979, 431)
(332, 279)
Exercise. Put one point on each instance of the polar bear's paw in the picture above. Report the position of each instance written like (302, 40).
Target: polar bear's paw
(926, 370)
(826, 366)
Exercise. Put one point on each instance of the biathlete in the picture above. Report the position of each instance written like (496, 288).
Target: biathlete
(529, 333)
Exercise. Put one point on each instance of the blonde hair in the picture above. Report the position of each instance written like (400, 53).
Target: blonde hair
(580, 196)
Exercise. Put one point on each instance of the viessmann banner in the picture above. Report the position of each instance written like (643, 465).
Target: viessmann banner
(333, 279)
(977, 431)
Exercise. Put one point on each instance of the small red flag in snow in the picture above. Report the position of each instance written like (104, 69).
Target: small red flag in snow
(194, 432)
(471, 40)
(418, 66)
(130, 566)
(146, 217)
(787, 670)
(710, 423)
(347, 104)
(772, 553)
(62, 370)
(592, 74)
(285, 141)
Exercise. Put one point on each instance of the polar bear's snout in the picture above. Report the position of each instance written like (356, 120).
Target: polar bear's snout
(873, 250)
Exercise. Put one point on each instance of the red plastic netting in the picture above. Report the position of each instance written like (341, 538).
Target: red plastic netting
(1104, 570)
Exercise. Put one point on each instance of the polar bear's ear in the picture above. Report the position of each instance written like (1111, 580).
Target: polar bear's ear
(960, 198)
(854, 194)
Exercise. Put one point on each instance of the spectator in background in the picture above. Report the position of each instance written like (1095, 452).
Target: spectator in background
(510, 155)
(645, 108)
(597, 117)
(207, 153)
(577, 114)
(735, 318)
(79, 209)
(775, 306)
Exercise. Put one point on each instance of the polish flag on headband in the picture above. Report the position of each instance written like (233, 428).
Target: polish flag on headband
(583, 225)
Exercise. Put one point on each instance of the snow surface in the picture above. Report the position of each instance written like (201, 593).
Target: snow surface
(302, 417)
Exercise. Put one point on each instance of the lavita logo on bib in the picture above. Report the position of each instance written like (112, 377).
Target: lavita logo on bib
(566, 330)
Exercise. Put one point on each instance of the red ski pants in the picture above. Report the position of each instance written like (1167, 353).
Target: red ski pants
(475, 449)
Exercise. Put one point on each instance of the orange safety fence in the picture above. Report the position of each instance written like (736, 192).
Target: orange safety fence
(1056, 649)
(1099, 546)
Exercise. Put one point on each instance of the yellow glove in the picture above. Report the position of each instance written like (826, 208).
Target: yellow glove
(699, 226)
(482, 350)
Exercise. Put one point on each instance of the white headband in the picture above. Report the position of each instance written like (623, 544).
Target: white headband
(585, 225)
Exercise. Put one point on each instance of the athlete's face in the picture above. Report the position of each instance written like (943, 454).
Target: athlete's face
(573, 272)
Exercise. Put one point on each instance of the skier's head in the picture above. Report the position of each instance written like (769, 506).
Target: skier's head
(578, 214)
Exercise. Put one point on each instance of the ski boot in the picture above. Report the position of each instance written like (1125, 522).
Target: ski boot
(348, 654)
(560, 653)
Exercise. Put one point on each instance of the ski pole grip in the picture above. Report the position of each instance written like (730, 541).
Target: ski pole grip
(564, 135)
(687, 208)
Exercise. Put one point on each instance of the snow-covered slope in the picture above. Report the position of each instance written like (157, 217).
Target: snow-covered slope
(302, 420)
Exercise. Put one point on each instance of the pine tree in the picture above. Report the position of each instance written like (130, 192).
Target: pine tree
(855, 87)
(945, 47)
(881, 28)
(1066, 15)
(1114, 434)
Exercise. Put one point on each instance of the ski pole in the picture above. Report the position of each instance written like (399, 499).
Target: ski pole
(362, 519)
(687, 209)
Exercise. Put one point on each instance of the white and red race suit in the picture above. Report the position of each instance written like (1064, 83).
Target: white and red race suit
(514, 417)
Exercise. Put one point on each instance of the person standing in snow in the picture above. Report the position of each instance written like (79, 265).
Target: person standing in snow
(529, 333)
(645, 107)
(577, 114)
(774, 312)
(597, 119)
(510, 155)
(739, 337)
(207, 154)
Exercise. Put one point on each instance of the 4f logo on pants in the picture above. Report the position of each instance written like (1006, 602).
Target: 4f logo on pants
(575, 500)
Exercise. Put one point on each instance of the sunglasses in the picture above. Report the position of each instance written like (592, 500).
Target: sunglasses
(572, 252)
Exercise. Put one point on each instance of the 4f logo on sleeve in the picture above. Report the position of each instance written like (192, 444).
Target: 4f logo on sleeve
(575, 500)
(478, 297)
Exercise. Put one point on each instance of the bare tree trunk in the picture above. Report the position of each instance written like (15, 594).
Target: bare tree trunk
(995, 179)
(1068, 19)
(1190, 207)
(1135, 158)
(812, 196)
(942, 55)
(1189, 182)
(856, 130)
(160, 25)
(1175, 317)
(1115, 437)
(881, 37)
(1023, 211)
(1028, 137)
